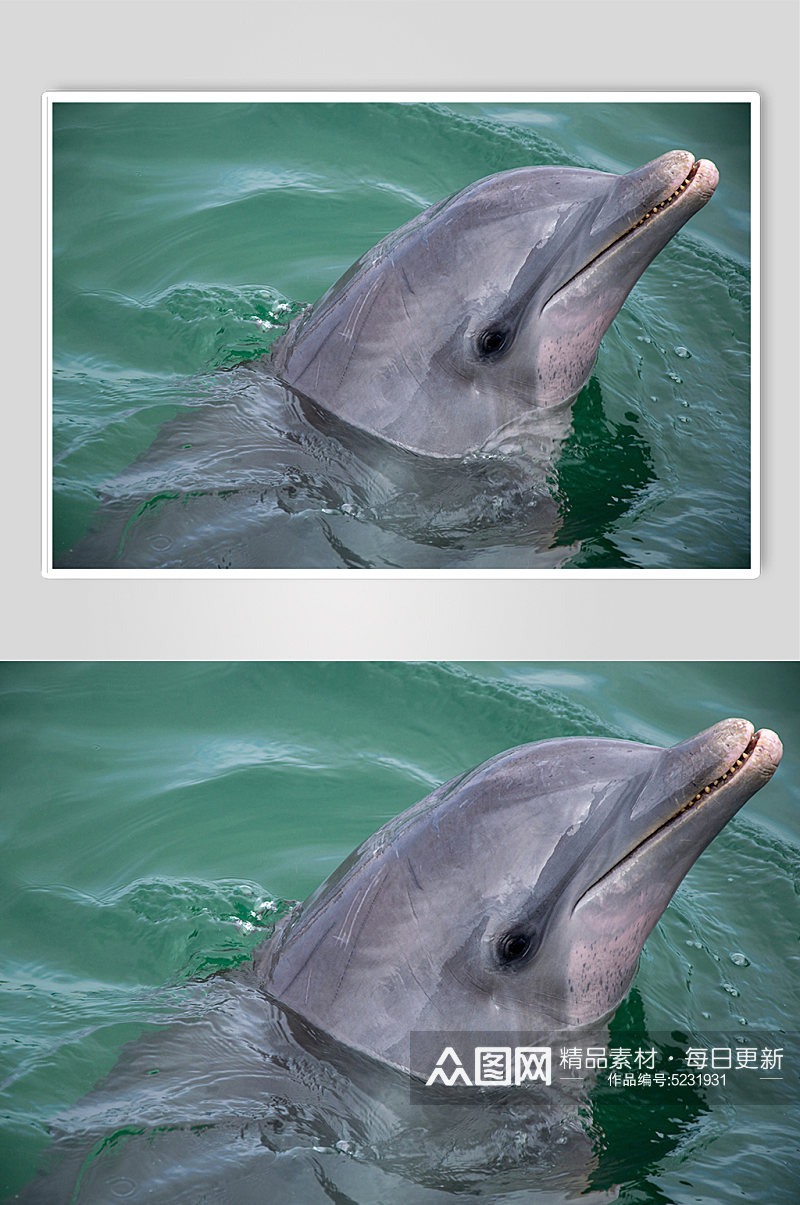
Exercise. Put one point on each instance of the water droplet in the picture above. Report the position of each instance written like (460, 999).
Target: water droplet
(730, 989)
(121, 1186)
(683, 352)
(739, 960)
(673, 376)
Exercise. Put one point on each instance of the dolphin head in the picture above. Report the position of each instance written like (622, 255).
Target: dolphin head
(515, 898)
(489, 305)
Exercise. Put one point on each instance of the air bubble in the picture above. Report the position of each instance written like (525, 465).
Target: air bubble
(121, 1186)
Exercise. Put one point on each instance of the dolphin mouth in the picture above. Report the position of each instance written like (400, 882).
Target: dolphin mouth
(662, 205)
(757, 758)
(692, 192)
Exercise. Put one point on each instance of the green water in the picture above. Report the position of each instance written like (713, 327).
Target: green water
(184, 234)
(149, 810)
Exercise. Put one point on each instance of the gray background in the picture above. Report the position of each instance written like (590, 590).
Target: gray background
(400, 44)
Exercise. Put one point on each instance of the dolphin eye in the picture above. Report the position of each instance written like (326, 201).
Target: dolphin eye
(514, 946)
(492, 341)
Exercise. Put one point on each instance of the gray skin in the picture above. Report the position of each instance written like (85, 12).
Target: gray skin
(516, 898)
(490, 306)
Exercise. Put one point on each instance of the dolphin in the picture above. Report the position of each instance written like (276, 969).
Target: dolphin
(516, 897)
(489, 306)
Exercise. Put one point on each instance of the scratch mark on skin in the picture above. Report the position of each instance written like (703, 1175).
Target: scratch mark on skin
(348, 331)
(423, 946)
(426, 992)
(317, 360)
(348, 924)
(349, 327)
(308, 959)
(341, 937)
(417, 883)
(415, 376)
(409, 285)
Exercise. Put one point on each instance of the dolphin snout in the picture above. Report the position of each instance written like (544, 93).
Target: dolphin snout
(706, 178)
(674, 165)
(767, 753)
(675, 176)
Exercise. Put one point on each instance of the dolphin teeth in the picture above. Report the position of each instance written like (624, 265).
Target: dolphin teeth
(722, 778)
(668, 200)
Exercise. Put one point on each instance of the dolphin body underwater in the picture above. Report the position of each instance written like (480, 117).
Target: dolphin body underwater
(513, 899)
(471, 329)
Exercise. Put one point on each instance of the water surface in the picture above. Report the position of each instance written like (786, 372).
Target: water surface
(186, 235)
